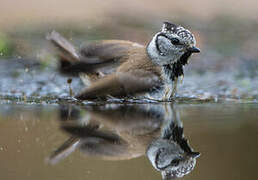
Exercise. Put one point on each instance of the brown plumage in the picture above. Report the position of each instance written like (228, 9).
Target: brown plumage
(110, 67)
(123, 68)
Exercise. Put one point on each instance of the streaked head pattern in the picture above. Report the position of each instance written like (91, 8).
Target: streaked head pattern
(184, 36)
(170, 44)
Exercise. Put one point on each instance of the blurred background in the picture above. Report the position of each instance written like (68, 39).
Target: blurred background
(226, 32)
(226, 69)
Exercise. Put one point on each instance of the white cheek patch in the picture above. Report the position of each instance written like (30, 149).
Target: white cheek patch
(171, 54)
(164, 45)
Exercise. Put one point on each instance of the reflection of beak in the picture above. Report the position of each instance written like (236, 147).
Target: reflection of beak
(194, 154)
(194, 49)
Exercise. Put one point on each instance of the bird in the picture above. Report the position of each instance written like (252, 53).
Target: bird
(171, 153)
(121, 68)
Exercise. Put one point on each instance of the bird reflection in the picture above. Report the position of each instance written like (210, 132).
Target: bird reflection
(120, 132)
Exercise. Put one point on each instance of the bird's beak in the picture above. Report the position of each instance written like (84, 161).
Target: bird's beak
(194, 49)
(194, 154)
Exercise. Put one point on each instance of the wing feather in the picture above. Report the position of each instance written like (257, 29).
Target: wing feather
(121, 84)
(105, 55)
(107, 50)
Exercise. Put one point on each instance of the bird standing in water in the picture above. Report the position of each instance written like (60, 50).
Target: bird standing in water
(120, 68)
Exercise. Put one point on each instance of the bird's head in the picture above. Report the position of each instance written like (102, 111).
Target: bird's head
(171, 44)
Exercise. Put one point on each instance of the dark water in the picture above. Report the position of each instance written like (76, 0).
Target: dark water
(111, 141)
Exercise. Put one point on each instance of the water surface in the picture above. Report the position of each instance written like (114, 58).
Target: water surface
(34, 140)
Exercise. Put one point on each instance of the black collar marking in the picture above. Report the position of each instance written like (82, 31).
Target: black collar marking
(175, 70)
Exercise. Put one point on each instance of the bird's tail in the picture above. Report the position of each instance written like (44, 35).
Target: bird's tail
(65, 50)
(66, 53)
(71, 63)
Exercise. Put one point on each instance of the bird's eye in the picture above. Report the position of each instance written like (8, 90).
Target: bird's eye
(175, 162)
(175, 41)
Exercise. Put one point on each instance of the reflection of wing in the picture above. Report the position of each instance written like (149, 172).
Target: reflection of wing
(138, 120)
(121, 84)
(89, 140)
(114, 132)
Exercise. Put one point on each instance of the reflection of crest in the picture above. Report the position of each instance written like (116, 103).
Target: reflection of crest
(116, 132)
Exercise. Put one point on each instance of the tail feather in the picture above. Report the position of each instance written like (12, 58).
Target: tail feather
(66, 50)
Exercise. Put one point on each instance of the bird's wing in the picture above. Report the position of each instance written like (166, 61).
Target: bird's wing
(107, 51)
(121, 84)
(92, 56)
(105, 56)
